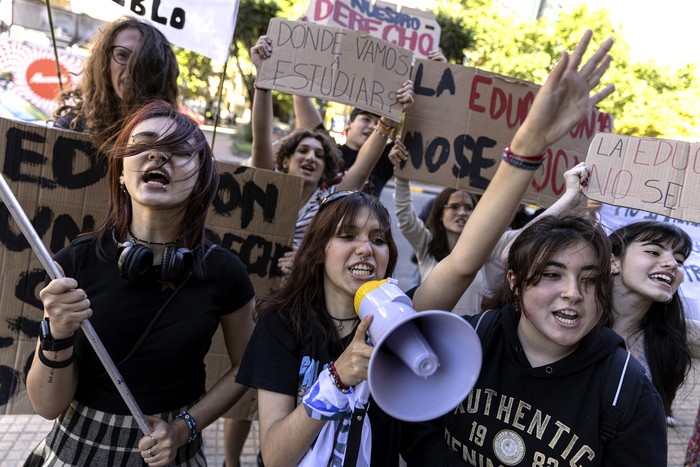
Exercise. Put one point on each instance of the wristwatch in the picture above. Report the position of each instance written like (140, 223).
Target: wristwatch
(51, 344)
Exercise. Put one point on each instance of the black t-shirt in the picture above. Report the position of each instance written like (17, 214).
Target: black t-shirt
(381, 173)
(275, 360)
(167, 370)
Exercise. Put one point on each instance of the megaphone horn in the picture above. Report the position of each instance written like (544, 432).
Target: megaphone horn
(424, 364)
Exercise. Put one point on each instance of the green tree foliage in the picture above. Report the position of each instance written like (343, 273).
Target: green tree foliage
(253, 18)
(455, 36)
(195, 70)
(649, 100)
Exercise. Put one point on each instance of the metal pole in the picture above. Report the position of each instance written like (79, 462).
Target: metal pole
(220, 91)
(42, 253)
(55, 49)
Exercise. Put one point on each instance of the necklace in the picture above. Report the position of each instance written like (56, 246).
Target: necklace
(340, 322)
(140, 240)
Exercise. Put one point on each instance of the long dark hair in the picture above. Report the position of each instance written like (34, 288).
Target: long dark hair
(186, 134)
(534, 248)
(439, 246)
(152, 71)
(302, 295)
(664, 326)
(331, 154)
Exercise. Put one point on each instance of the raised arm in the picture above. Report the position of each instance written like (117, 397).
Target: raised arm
(262, 154)
(372, 149)
(560, 104)
(410, 225)
(306, 114)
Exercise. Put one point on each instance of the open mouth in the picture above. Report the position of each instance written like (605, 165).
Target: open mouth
(308, 168)
(156, 177)
(569, 317)
(663, 278)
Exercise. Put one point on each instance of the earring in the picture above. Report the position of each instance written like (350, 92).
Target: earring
(123, 188)
(516, 301)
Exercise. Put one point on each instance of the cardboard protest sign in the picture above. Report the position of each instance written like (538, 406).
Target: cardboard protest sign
(32, 72)
(62, 187)
(202, 26)
(413, 29)
(656, 175)
(344, 66)
(463, 118)
(614, 217)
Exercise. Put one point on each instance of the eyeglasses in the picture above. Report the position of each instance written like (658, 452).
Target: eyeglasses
(120, 54)
(336, 196)
(459, 206)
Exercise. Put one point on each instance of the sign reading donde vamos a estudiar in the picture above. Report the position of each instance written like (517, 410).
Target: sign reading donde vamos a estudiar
(344, 66)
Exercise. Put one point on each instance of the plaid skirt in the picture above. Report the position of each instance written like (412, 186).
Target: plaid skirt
(83, 436)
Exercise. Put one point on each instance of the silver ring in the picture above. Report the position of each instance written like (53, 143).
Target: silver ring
(155, 441)
(149, 452)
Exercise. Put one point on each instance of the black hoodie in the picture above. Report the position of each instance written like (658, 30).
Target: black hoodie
(545, 416)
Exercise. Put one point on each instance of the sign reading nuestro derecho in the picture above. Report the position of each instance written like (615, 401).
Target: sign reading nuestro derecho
(415, 30)
(62, 187)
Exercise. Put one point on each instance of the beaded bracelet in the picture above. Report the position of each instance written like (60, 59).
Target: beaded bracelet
(191, 424)
(55, 363)
(336, 378)
(519, 163)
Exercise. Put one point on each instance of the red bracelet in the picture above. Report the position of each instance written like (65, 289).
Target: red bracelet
(336, 378)
(534, 159)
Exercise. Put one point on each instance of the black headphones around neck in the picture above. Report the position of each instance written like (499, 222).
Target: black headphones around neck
(135, 262)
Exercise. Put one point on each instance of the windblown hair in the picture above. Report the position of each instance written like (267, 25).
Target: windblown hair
(438, 246)
(331, 154)
(152, 70)
(535, 247)
(663, 325)
(302, 296)
(186, 138)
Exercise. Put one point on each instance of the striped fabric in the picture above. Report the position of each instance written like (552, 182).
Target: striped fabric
(83, 436)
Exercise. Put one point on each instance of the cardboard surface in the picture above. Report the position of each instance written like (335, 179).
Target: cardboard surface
(656, 175)
(332, 63)
(413, 29)
(463, 118)
(62, 188)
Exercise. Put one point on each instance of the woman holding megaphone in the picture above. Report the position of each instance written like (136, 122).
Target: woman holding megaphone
(308, 349)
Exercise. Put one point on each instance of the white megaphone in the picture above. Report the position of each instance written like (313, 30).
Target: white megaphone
(424, 364)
